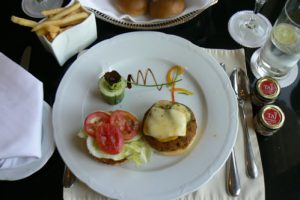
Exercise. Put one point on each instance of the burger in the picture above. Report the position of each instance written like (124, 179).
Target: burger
(114, 138)
(169, 127)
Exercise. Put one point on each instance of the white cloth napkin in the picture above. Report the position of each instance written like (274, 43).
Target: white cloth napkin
(107, 7)
(215, 189)
(21, 103)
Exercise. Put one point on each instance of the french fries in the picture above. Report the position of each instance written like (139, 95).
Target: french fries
(66, 11)
(56, 20)
(48, 13)
(23, 22)
(61, 22)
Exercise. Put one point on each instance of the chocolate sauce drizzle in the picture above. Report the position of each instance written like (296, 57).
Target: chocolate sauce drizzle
(140, 75)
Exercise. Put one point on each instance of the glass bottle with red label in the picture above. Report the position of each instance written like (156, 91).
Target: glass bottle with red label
(265, 92)
(269, 120)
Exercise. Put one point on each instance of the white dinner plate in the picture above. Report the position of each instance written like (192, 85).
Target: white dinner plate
(164, 177)
(48, 148)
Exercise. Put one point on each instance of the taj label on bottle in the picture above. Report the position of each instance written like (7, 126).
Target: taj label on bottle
(268, 87)
(272, 117)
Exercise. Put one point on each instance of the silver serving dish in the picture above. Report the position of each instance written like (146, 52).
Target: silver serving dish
(150, 26)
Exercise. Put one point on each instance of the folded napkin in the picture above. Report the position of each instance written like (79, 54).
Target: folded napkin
(107, 7)
(21, 103)
(215, 189)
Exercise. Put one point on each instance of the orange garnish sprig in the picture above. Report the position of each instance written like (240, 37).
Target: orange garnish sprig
(172, 75)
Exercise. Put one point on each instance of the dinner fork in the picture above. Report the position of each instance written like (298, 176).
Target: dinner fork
(233, 185)
(68, 178)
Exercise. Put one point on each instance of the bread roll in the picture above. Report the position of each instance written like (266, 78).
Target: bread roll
(132, 7)
(166, 8)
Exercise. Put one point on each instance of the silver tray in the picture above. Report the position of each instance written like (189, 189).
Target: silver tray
(150, 26)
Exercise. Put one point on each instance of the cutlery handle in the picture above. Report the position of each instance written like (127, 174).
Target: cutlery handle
(68, 178)
(249, 156)
(233, 180)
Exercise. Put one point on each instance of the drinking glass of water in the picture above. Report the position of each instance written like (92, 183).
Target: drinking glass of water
(281, 53)
(33, 8)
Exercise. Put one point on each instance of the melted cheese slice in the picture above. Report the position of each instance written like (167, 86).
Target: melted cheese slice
(166, 123)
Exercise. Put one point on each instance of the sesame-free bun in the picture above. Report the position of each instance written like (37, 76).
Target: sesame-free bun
(179, 145)
(132, 7)
(166, 8)
(111, 161)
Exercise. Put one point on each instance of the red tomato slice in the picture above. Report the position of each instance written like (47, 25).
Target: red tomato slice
(109, 139)
(127, 123)
(93, 121)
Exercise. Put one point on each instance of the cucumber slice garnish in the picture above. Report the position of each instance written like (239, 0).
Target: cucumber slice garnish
(112, 94)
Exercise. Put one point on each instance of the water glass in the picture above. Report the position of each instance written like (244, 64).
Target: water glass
(281, 52)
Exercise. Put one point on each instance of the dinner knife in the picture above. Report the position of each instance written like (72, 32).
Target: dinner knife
(25, 59)
(241, 89)
(232, 180)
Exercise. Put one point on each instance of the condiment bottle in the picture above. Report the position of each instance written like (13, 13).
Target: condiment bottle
(265, 92)
(269, 120)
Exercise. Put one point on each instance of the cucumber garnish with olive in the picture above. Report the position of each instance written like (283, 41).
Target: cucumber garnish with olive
(112, 87)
